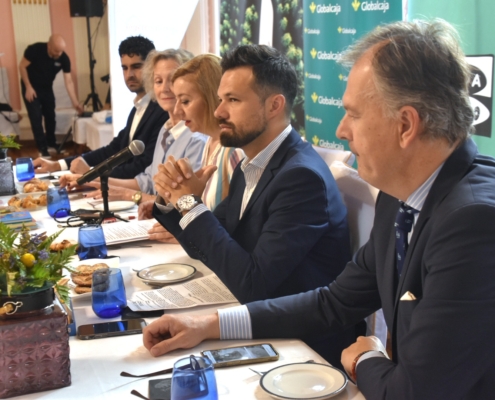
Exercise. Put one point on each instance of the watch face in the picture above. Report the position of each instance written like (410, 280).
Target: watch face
(136, 197)
(186, 203)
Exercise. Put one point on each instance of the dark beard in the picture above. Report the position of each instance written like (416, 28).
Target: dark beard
(236, 139)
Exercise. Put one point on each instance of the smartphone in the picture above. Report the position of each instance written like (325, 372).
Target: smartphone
(251, 354)
(107, 329)
(159, 389)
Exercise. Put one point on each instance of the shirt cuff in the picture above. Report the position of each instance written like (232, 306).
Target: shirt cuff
(63, 165)
(164, 208)
(235, 323)
(370, 354)
(192, 215)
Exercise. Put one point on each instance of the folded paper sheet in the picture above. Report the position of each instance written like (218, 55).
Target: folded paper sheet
(198, 292)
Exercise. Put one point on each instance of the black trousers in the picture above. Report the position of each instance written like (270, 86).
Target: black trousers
(42, 108)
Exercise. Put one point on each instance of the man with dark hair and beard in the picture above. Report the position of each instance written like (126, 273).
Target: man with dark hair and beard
(282, 229)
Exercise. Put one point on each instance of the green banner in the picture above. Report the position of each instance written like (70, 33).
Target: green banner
(329, 27)
(474, 22)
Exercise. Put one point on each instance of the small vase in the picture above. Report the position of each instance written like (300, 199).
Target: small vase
(34, 345)
(7, 183)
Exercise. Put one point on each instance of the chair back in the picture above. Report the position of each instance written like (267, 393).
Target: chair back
(359, 198)
(331, 155)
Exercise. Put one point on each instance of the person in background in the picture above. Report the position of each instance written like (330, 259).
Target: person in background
(429, 262)
(175, 138)
(282, 229)
(195, 85)
(144, 122)
(38, 68)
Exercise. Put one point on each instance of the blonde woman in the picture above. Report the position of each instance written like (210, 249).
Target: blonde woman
(195, 86)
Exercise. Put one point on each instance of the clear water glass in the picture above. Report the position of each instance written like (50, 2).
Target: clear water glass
(91, 242)
(108, 293)
(194, 378)
(24, 169)
(58, 204)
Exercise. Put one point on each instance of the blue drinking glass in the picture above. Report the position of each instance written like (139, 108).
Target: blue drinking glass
(57, 202)
(24, 169)
(108, 293)
(91, 242)
(194, 378)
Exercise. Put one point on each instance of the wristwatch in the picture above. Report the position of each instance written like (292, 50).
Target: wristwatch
(136, 197)
(188, 202)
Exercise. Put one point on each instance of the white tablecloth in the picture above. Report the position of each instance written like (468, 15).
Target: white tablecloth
(96, 364)
(89, 132)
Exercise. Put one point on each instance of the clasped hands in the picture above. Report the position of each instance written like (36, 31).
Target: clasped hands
(177, 178)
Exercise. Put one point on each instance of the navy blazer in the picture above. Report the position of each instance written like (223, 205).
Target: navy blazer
(292, 237)
(443, 346)
(147, 131)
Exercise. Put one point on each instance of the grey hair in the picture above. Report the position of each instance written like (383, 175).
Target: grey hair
(180, 56)
(420, 64)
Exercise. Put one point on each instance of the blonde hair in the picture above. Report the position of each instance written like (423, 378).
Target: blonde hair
(180, 56)
(206, 72)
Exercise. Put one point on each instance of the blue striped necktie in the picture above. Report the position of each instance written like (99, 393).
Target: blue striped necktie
(403, 225)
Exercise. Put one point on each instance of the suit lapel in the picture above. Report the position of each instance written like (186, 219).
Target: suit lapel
(238, 183)
(145, 118)
(273, 166)
(455, 167)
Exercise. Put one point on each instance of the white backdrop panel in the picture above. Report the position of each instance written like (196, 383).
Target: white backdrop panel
(163, 21)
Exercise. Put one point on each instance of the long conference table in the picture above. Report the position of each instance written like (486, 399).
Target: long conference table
(96, 364)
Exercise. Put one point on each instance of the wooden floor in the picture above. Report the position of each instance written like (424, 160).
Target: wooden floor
(29, 149)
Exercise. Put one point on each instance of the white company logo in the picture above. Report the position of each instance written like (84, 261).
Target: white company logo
(312, 76)
(314, 119)
(332, 145)
(326, 101)
(375, 6)
(324, 9)
(311, 31)
(328, 9)
(323, 55)
(346, 31)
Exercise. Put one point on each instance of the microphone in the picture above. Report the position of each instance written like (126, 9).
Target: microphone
(135, 149)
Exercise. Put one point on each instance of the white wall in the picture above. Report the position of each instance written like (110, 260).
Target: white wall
(163, 21)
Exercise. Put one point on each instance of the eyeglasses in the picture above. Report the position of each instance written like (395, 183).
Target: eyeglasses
(77, 218)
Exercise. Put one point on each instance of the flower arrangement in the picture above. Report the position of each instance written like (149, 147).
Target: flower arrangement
(26, 262)
(8, 142)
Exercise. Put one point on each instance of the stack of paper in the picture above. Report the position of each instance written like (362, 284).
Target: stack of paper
(124, 232)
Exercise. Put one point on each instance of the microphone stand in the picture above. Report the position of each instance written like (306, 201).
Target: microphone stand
(104, 192)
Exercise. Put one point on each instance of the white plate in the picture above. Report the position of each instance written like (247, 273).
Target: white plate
(164, 274)
(303, 381)
(111, 262)
(116, 205)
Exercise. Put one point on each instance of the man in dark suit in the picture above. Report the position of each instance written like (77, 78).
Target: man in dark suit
(408, 119)
(144, 122)
(282, 196)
